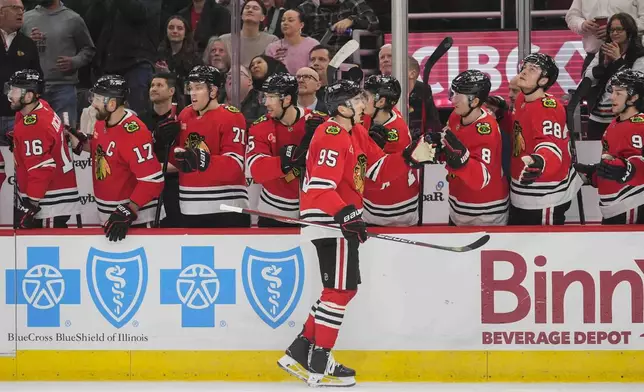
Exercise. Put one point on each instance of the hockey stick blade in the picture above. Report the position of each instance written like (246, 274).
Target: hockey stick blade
(436, 55)
(345, 51)
(459, 249)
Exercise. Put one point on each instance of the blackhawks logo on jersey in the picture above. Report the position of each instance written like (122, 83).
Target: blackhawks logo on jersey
(333, 130)
(232, 109)
(195, 140)
(483, 128)
(319, 113)
(260, 120)
(392, 135)
(518, 145)
(359, 171)
(101, 167)
(131, 126)
(637, 119)
(604, 146)
(549, 102)
(30, 119)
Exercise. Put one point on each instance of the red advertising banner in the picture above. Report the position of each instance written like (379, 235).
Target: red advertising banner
(496, 53)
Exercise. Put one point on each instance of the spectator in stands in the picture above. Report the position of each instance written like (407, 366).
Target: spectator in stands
(263, 66)
(384, 60)
(309, 84)
(65, 46)
(589, 17)
(340, 15)
(253, 41)
(623, 49)
(126, 33)
(250, 105)
(319, 59)
(273, 20)
(162, 90)
(292, 50)
(217, 55)
(18, 52)
(177, 52)
(207, 19)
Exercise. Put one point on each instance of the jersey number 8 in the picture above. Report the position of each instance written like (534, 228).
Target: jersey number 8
(486, 155)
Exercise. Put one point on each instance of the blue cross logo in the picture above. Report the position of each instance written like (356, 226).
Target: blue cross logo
(198, 286)
(43, 287)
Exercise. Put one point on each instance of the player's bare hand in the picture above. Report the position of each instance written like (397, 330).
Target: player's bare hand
(532, 170)
(64, 64)
(342, 26)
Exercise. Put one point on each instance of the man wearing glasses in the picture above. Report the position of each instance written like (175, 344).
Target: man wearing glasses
(309, 84)
(18, 52)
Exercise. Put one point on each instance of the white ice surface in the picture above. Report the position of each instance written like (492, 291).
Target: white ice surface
(295, 386)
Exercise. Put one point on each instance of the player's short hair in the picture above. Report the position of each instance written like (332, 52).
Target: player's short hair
(170, 78)
(322, 47)
(261, 5)
(412, 64)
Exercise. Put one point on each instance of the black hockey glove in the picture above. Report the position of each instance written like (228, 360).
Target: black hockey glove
(587, 172)
(378, 133)
(312, 124)
(80, 136)
(351, 223)
(292, 158)
(192, 159)
(9, 140)
(616, 169)
(497, 104)
(119, 222)
(456, 154)
(532, 169)
(28, 210)
(167, 132)
(419, 152)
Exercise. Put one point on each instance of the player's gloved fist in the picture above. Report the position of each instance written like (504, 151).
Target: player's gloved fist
(291, 157)
(167, 132)
(456, 154)
(616, 169)
(351, 223)
(119, 222)
(9, 140)
(378, 133)
(497, 104)
(312, 124)
(532, 169)
(587, 172)
(419, 153)
(77, 139)
(192, 159)
(28, 209)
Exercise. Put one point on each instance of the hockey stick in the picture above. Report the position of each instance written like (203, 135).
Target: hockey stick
(79, 220)
(327, 36)
(345, 51)
(574, 102)
(438, 53)
(474, 245)
(164, 170)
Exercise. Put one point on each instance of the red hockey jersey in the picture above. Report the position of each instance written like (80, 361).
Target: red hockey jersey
(221, 132)
(44, 167)
(478, 191)
(623, 139)
(337, 165)
(393, 203)
(280, 192)
(125, 168)
(540, 128)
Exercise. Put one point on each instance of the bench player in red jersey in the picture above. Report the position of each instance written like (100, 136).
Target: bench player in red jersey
(341, 157)
(272, 155)
(393, 203)
(472, 146)
(544, 181)
(619, 176)
(44, 168)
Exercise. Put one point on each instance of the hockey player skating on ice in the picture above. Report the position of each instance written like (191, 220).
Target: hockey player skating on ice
(272, 155)
(45, 174)
(394, 203)
(340, 158)
(472, 148)
(543, 179)
(127, 175)
(619, 176)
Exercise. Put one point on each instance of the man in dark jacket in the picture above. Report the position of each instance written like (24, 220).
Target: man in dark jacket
(126, 34)
(17, 52)
(207, 19)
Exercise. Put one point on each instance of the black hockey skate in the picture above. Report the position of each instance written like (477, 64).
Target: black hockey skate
(324, 371)
(296, 360)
